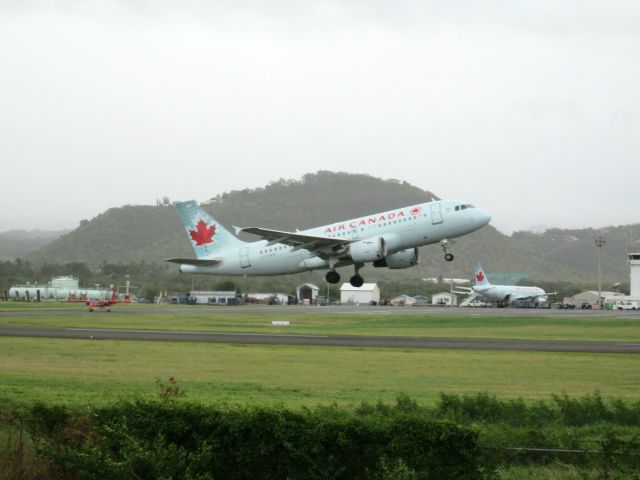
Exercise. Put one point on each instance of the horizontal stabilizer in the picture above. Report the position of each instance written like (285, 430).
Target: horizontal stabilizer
(198, 262)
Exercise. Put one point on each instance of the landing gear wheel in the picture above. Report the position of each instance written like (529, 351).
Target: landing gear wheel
(448, 257)
(332, 276)
(356, 281)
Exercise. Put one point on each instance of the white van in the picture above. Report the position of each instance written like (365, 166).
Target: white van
(626, 305)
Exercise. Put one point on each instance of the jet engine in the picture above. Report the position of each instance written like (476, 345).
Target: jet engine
(402, 259)
(368, 250)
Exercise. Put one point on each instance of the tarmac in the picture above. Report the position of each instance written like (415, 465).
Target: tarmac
(328, 310)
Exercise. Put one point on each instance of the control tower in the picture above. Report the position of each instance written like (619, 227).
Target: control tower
(634, 267)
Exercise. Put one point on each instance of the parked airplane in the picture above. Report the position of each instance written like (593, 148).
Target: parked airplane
(102, 304)
(388, 239)
(504, 294)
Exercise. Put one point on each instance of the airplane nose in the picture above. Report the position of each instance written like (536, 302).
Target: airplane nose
(484, 217)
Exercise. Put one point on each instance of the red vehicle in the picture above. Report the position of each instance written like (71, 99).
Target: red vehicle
(102, 304)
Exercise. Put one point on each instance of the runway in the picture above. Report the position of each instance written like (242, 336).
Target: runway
(331, 310)
(95, 334)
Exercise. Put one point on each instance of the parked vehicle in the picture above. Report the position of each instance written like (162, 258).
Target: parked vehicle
(586, 306)
(478, 304)
(626, 305)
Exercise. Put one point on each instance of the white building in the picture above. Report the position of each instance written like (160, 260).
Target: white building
(634, 267)
(60, 288)
(359, 295)
(214, 297)
(307, 293)
(444, 298)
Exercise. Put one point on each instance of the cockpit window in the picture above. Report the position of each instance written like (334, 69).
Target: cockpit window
(457, 207)
(463, 207)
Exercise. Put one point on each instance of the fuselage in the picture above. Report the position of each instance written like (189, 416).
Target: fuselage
(502, 293)
(401, 228)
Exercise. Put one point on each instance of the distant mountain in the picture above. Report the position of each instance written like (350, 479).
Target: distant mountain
(153, 233)
(19, 243)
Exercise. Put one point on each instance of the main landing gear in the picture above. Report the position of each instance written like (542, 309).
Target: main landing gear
(356, 280)
(332, 276)
(445, 247)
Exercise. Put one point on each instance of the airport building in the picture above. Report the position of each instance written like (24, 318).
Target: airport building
(404, 300)
(590, 297)
(444, 298)
(368, 292)
(634, 274)
(613, 299)
(213, 297)
(267, 298)
(307, 293)
(60, 289)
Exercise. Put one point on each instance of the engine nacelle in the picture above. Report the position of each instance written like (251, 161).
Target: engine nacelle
(402, 259)
(368, 250)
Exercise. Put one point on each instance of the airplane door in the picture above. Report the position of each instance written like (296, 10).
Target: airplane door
(436, 213)
(244, 257)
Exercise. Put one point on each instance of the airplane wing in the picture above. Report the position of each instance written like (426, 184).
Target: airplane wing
(199, 262)
(295, 239)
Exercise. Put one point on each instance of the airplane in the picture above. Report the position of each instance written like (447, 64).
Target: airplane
(102, 304)
(504, 294)
(386, 239)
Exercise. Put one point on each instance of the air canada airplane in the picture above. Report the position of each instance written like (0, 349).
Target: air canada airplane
(505, 293)
(388, 239)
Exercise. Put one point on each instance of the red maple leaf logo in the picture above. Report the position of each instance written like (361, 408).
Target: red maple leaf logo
(415, 210)
(203, 234)
(479, 276)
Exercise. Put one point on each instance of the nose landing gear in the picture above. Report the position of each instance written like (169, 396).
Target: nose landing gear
(445, 247)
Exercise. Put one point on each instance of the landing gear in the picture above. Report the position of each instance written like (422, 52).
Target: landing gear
(332, 276)
(357, 281)
(445, 247)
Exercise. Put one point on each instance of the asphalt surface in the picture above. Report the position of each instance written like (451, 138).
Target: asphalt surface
(327, 340)
(364, 309)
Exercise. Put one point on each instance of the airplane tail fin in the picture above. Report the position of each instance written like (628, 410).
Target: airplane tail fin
(481, 278)
(207, 235)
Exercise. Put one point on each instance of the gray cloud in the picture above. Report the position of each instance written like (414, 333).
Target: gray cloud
(527, 108)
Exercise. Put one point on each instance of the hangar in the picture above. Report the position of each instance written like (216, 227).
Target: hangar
(307, 293)
(368, 292)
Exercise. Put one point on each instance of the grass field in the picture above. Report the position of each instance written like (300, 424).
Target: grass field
(92, 372)
(624, 328)
(77, 372)
(81, 371)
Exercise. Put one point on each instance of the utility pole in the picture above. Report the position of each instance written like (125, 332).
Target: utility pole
(600, 242)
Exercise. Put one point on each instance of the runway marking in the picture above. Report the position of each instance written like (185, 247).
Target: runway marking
(629, 344)
(99, 330)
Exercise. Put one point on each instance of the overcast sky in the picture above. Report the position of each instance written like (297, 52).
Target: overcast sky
(529, 109)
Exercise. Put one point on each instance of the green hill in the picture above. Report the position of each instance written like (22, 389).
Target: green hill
(153, 233)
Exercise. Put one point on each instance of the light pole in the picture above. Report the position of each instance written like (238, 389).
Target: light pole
(600, 242)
